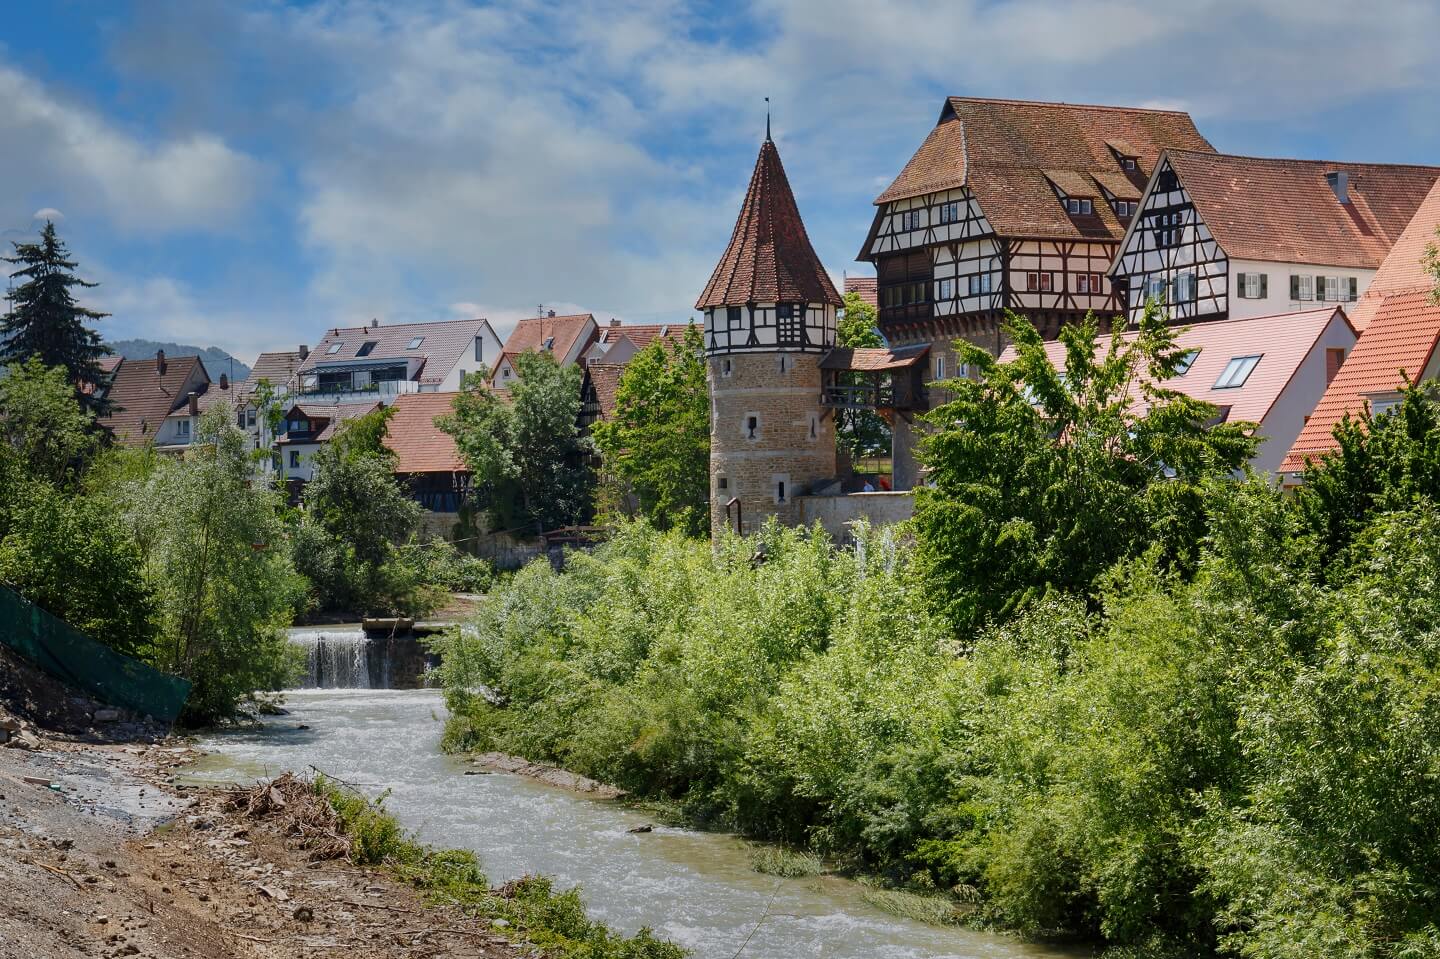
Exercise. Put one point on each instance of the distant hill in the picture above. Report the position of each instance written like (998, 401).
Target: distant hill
(217, 361)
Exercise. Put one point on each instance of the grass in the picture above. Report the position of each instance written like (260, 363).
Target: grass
(530, 910)
(935, 909)
(785, 863)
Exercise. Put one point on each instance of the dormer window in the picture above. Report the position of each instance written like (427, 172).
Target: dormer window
(367, 347)
(549, 343)
(1129, 163)
(335, 348)
(415, 342)
(1080, 206)
(1125, 208)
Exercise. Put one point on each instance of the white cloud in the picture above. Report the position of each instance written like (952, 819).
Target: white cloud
(194, 181)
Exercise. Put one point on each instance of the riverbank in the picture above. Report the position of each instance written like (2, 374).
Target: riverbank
(104, 856)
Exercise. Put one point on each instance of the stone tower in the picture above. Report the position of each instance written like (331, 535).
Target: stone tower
(769, 318)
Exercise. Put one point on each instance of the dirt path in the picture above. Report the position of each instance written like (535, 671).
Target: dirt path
(100, 855)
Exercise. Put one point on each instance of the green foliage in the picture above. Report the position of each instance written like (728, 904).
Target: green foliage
(356, 517)
(535, 914)
(658, 444)
(859, 432)
(44, 322)
(438, 563)
(44, 423)
(784, 862)
(213, 547)
(524, 449)
(1040, 478)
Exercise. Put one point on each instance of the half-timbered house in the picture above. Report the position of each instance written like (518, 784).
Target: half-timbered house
(1221, 236)
(1010, 205)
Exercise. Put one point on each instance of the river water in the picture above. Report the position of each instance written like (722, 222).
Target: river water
(696, 889)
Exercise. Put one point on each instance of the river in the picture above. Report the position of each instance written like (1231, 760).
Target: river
(694, 888)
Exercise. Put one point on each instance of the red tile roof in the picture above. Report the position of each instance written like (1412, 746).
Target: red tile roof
(234, 393)
(769, 259)
(420, 446)
(532, 332)
(1003, 150)
(142, 398)
(605, 380)
(1402, 326)
(443, 344)
(872, 360)
(865, 286)
(332, 416)
(642, 334)
(1282, 341)
(1285, 210)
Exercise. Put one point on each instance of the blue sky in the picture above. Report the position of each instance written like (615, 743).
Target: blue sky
(248, 174)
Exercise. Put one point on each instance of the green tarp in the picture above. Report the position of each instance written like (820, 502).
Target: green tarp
(69, 655)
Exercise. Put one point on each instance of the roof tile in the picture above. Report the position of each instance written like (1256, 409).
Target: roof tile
(420, 446)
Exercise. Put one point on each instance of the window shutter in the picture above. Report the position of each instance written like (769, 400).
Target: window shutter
(1240, 284)
(1354, 288)
(1320, 288)
(1294, 287)
(1264, 278)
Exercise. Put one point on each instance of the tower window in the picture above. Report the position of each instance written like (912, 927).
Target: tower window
(782, 364)
(722, 483)
(752, 423)
(732, 317)
(725, 368)
(780, 492)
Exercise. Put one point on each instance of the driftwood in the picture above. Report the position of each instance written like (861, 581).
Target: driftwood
(305, 817)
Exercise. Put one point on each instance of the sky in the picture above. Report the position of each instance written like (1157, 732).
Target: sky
(248, 174)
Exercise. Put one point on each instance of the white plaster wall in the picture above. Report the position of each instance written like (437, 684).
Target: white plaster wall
(1278, 287)
(1282, 425)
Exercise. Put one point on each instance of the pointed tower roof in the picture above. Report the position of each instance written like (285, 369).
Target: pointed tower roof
(769, 259)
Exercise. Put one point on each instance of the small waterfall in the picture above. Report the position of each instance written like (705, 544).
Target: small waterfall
(336, 658)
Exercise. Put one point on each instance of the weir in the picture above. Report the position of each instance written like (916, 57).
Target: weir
(344, 657)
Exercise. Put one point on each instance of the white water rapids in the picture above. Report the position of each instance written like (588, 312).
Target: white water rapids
(696, 889)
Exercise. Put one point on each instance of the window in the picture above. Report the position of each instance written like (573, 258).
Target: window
(732, 317)
(1302, 287)
(1385, 405)
(1332, 289)
(980, 284)
(1155, 288)
(415, 342)
(947, 289)
(549, 343)
(294, 458)
(814, 426)
(335, 348)
(752, 423)
(1352, 288)
(1253, 286)
(1039, 282)
(780, 491)
(789, 322)
(1082, 283)
(723, 483)
(367, 348)
(1185, 288)
(1125, 208)
(183, 428)
(1334, 357)
(1237, 371)
(505, 373)
(950, 212)
(940, 366)
(725, 368)
(1080, 206)
(1128, 163)
(1186, 361)
(910, 220)
(782, 363)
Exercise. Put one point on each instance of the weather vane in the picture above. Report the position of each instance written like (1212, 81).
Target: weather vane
(767, 119)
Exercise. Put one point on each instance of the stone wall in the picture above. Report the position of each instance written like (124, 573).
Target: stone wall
(502, 549)
(836, 513)
(770, 439)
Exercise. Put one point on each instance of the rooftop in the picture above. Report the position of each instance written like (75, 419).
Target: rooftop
(420, 446)
(439, 344)
(143, 396)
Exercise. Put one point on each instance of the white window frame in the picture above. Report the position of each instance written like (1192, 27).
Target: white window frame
(940, 366)
(182, 428)
(947, 288)
(1251, 286)
(1237, 372)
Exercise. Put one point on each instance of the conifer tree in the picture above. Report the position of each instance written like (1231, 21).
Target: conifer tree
(44, 321)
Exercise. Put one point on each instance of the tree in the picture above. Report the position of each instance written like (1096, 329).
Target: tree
(43, 421)
(1430, 262)
(525, 451)
(658, 443)
(44, 321)
(213, 547)
(859, 432)
(1041, 478)
(356, 514)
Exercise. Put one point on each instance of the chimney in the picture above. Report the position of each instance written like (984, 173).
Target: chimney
(304, 351)
(194, 400)
(160, 362)
(614, 322)
(1339, 181)
(224, 382)
(374, 322)
(551, 313)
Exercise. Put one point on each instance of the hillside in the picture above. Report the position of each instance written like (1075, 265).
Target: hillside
(217, 361)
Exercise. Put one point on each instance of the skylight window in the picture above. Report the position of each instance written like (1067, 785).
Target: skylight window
(549, 343)
(1237, 371)
(1186, 361)
(415, 342)
(335, 347)
(367, 347)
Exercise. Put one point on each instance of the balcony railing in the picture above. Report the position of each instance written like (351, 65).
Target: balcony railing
(867, 396)
(381, 389)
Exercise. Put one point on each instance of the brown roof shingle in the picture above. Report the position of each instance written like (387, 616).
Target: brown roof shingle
(873, 359)
(278, 368)
(865, 286)
(1003, 150)
(420, 446)
(605, 380)
(444, 343)
(1285, 210)
(532, 332)
(142, 397)
(769, 259)
(1400, 332)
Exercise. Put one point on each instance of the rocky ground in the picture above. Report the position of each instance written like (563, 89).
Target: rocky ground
(102, 854)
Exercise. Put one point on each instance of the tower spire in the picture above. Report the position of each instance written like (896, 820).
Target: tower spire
(767, 119)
